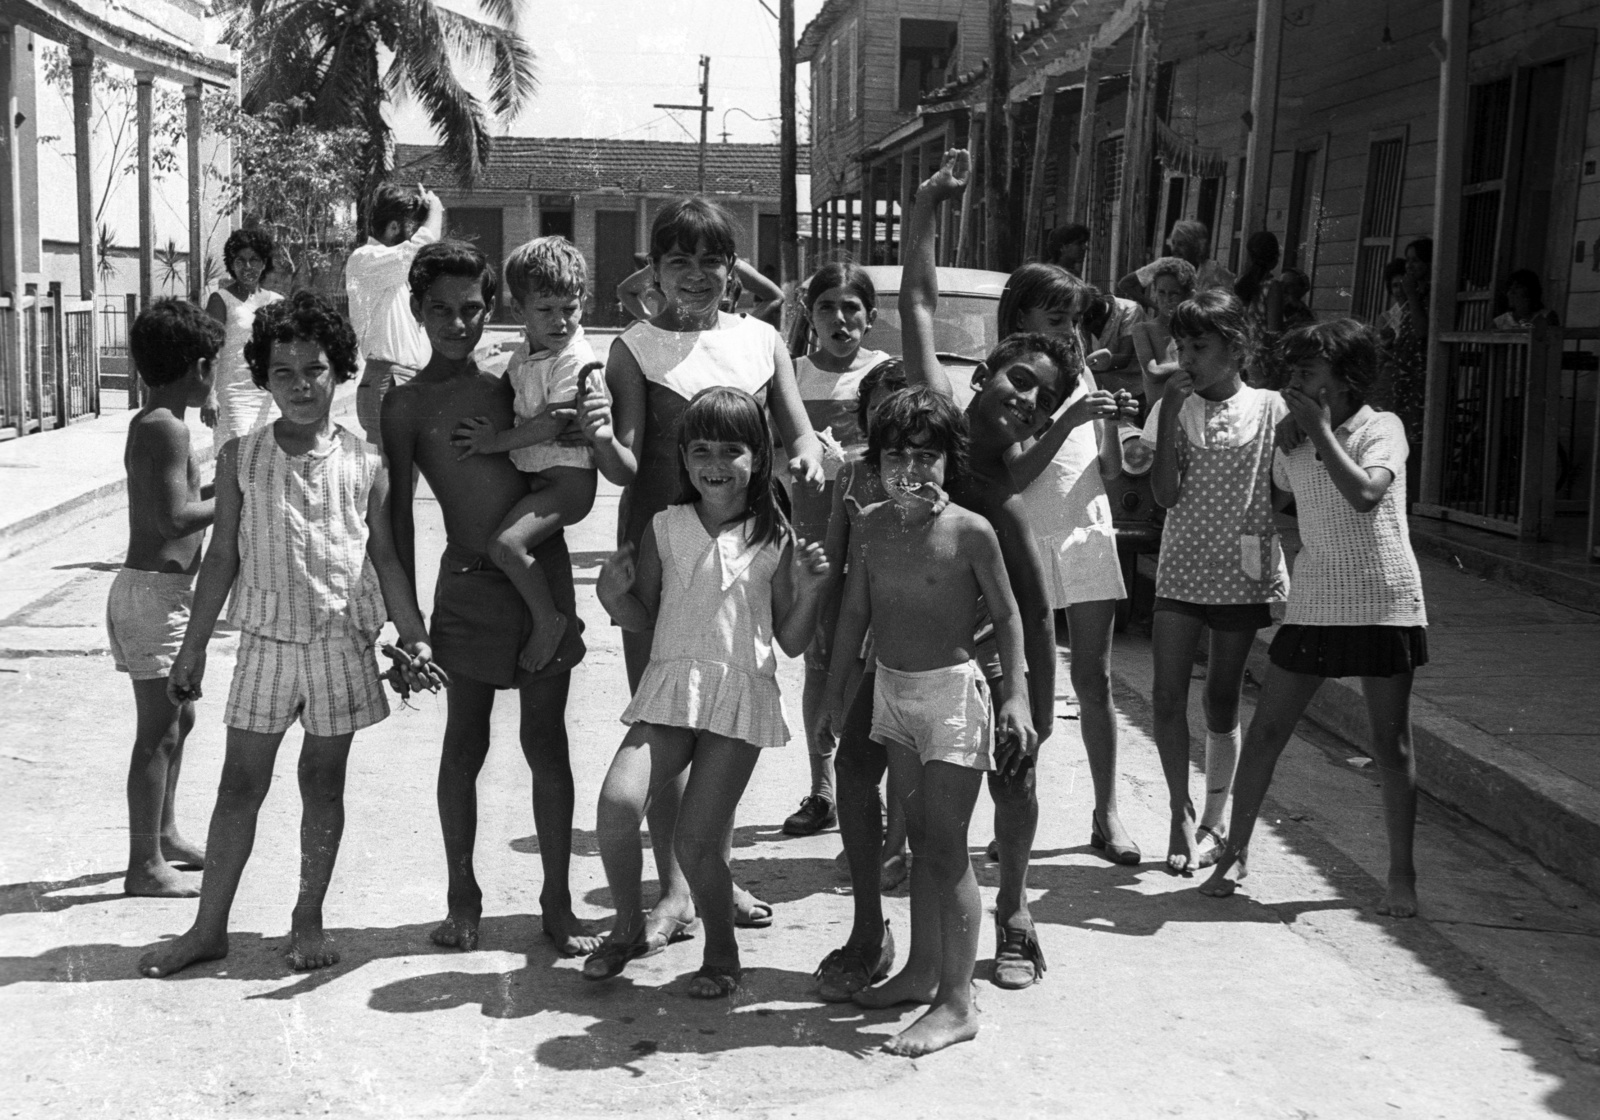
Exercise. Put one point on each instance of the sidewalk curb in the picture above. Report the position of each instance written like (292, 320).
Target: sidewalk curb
(1531, 804)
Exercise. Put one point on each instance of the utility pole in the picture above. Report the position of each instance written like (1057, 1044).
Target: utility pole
(997, 134)
(704, 109)
(788, 152)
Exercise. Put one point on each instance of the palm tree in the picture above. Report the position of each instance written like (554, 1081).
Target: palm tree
(323, 58)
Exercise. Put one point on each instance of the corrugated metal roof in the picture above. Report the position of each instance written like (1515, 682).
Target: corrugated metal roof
(578, 164)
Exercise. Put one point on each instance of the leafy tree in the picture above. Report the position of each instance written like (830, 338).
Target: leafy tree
(324, 57)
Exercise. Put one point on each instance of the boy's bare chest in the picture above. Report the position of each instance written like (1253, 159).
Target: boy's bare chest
(924, 567)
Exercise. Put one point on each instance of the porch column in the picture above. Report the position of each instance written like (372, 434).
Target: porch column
(1083, 164)
(1041, 152)
(971, 231)
(191, 114)
(83, 161)
(641, 223)
(908, 191)
(1136, 177)
(145, 106)
(1122, 233)
(869, 212)
(10, 177)
(1450, 155)
(1263, 114)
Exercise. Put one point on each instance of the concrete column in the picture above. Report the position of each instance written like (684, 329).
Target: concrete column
(83, 160)
(1083, 163)
(1449, 158)
(1041, 153)
(197, 248)
(145, 111)
(1264, 114)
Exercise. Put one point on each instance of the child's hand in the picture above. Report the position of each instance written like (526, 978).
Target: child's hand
(1014, 737)
(809, 565)
(475, 436)
(617, 573)
(209, 411)
(183, 682)
(1098, 405)
(830, 718)
(951, 178)
(413, 669)
(807, 470)
(1179, 387)
(1313, 415)
(1288, 436)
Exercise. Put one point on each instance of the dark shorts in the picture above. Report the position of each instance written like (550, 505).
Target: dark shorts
(480, 623)
(1223, 617)
(1349, 651)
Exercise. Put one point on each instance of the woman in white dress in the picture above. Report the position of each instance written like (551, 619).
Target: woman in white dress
(237, 403)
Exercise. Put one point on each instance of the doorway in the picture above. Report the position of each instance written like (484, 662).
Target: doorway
(483, 226)
(613, 263)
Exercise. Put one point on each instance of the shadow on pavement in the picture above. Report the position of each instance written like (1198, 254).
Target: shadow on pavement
(46, 895)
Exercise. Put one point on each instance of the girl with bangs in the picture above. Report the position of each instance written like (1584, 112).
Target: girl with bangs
(716, 578)
(653, 371)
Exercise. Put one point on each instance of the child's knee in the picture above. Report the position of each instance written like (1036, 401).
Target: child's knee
(322, 780)
(506, 551)
(1092, 683)
(1170, 700)
(243, 790)
(694, 850)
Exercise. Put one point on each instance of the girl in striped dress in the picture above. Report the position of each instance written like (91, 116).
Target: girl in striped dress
(717, 577)
(302, 539)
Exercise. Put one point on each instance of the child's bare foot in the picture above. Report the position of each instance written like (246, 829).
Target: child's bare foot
(181, 952)
(158, 880)
(939, 1027)
(571, 937)
(1400, 900)
(895, 870)
(459, 930)
(1180, 846)
(542, 644)
(183, 855)
(1219, 885)
(902, 987)
(310, 947)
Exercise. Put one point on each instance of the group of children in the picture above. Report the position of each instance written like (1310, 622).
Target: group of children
(915, 559)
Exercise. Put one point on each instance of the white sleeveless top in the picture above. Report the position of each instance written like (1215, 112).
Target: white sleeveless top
(738, 354)
(303, 565)
(830, 400)
(230, 366)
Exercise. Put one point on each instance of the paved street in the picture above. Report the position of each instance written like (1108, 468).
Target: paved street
(1292, 1000)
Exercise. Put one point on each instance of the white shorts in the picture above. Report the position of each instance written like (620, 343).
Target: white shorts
(146, 615)
(942, 714)
(330, 684)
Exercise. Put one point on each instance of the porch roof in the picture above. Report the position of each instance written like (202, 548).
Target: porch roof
(169, 38)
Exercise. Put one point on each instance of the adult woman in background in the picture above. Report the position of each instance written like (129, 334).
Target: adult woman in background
(237, 404)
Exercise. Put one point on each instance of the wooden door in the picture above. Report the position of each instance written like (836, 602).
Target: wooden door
(613, 262)
(483, 226)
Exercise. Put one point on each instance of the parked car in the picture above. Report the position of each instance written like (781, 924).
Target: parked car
(965, 330)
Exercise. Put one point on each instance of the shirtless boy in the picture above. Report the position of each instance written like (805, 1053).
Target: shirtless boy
(173, 344)
(479, 624)
(916, 577)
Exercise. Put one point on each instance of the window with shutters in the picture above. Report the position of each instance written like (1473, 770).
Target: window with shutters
(1107, 196)
(1380, 222)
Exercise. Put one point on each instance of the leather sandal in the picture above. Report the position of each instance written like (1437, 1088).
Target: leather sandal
(1018, 957)
(846, 971)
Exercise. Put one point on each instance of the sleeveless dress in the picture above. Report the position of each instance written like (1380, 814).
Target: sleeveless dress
(1071, 520)
(712, 665)
(676, 366)
(830, 401)
(241, 407)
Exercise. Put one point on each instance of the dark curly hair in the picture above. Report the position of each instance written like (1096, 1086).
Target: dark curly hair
(257, 240)
(451, 258)
(393, 203)
(920, 417)
(889, 373)
(1062, 350)
(303, 316)
(168, 337)
(1349, 348)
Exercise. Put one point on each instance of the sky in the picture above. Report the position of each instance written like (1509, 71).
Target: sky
(603, 64)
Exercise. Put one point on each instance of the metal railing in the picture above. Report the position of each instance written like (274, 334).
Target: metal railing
(49, 365)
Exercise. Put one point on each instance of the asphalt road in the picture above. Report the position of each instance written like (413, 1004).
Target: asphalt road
(1293, 1000)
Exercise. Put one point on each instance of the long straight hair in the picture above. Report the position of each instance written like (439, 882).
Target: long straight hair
(722, 414)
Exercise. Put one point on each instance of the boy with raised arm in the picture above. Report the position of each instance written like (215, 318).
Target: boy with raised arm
(480, 625)
(173, 344)
(916, 575)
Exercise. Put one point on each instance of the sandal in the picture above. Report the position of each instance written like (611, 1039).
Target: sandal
(1209, 843)
(612, 957)
(846, 971)
(715, 981)
(1018, 957)
(658, 935)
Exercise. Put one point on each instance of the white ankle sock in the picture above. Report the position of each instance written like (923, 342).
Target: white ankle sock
(1222, 757)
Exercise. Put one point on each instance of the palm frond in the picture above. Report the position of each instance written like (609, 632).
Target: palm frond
(513, 77)
(426, 70)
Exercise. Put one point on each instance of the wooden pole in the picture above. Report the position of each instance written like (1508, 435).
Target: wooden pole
(788, 150)
(1449, 160)
(83, 165)
(1139, 195)
(967, 249)
(197, 248)
(1041, 153)
(1263, 114)
(1083, 163)
(869, 212)
(997, 166)
(145, 109)
(1122, 231)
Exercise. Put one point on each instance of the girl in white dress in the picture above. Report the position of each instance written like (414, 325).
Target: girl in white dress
(238, 405)
(717, 576)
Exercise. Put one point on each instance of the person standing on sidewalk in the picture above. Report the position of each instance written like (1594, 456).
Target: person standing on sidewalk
(401, 222)
(237, 404)
(1356, 608)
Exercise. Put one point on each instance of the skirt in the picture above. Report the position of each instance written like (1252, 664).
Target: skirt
(1349, 651)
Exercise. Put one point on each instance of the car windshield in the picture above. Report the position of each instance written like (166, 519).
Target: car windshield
(964, 326)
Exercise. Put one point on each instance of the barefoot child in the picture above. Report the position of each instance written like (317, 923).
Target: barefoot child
(173, 345)
(1220, 565)
(1017, 388)
(916, 576)
(717, 578)
(1171, 282)
(480, 625)
(1355, 609)
(302, 528)
(548, 372)
(841, 306)
(652, 372)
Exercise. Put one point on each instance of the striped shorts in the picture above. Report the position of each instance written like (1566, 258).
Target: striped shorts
(330, 684)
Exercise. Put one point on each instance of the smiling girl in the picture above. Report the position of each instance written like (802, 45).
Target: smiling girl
(237, 404)
(1171, 283)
